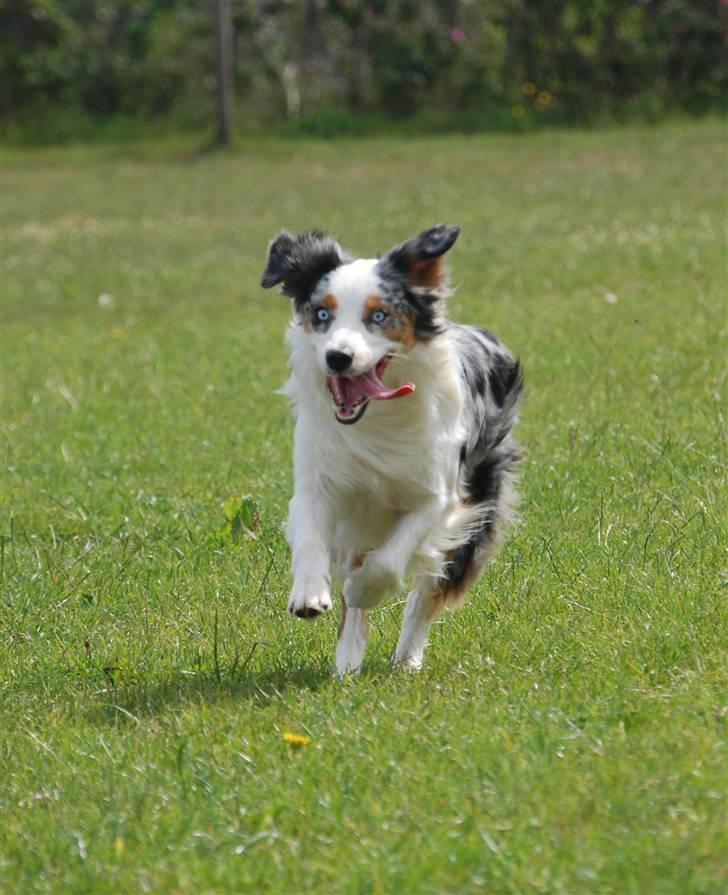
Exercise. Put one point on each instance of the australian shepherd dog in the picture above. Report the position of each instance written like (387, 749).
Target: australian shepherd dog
(403, 453)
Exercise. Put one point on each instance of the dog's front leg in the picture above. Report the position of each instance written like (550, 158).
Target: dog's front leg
(352, 641)
(309, 531)
(384, 568)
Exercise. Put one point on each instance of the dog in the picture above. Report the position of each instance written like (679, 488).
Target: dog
(403, 449)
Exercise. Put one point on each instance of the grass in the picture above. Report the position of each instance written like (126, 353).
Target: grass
(567, 734)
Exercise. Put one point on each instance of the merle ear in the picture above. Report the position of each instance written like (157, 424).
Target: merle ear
(299, 262)
(420, 260)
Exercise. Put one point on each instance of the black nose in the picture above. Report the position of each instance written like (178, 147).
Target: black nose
(338, 361)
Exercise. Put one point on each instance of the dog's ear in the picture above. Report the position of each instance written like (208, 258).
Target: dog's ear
(299, 262)
(419, 261)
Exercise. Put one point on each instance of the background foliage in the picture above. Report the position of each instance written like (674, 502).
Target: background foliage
(474, 64)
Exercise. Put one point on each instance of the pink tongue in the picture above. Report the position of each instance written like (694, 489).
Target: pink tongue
(369, 385)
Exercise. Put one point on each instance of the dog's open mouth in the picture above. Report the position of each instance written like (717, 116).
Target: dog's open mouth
(352, 394)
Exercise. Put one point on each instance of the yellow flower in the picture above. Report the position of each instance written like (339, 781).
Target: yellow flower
(528, 88)
(544, 99)
(518, 111)
(296, 739)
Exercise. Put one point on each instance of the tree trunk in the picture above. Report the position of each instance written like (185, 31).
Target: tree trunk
(223, 27)
(452, 13)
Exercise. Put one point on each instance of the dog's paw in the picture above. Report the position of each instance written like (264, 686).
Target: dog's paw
(309, 602)
(410, 664)
(370, 583)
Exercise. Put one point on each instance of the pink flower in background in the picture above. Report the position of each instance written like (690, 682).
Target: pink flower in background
(457, 35)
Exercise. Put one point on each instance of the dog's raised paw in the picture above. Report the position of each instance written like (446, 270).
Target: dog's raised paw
(309, 605)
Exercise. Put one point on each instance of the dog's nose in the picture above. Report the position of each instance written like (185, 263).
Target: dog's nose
(338, 361)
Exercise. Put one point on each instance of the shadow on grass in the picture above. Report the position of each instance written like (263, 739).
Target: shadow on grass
(133, 702)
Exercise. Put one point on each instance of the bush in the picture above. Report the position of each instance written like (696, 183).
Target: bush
(505, 63)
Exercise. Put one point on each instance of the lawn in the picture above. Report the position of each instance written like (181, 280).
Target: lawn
(567, 733)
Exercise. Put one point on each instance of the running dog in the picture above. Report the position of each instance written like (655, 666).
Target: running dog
(403, 448)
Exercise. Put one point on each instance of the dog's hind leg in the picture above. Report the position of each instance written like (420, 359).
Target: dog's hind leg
(424, 604)
(353, 632)
(464, 565)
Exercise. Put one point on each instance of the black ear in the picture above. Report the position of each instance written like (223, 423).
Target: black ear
(300, 261)
(419, 260)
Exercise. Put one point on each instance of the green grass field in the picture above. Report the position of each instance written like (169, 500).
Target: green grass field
(567, 733)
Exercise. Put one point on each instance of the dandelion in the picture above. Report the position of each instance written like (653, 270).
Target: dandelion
(518, 111)
(528, 88)
(296, 739)
(544, 100)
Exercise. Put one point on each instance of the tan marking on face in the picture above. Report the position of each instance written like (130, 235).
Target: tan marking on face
(399, 325)
(403, 330)
(374, 303)
(427, 274)
(328, 301)
(357, 561)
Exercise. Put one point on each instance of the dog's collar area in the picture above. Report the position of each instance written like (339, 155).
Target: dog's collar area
(352, 394)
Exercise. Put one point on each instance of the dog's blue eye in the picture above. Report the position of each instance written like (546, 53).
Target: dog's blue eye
(322, 315)
(379, 316)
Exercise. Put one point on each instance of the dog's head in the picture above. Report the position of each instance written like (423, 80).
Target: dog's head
(359, 314)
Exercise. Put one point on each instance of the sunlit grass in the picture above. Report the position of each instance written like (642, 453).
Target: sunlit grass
(567, 732)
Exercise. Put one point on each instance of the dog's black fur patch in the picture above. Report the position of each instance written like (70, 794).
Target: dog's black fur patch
(491, 453)
(425, 246)
(425, 310)
(398, 271)
(299, 262)
(502, 377)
